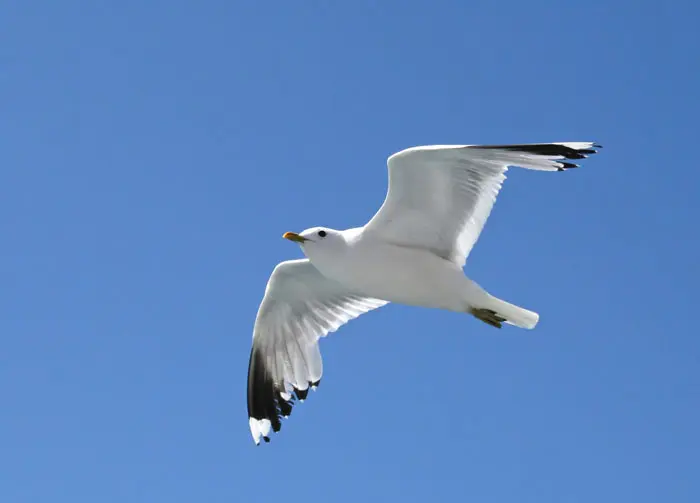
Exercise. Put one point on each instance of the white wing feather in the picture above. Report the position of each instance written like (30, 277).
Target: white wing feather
(300, 306)
(440, 196)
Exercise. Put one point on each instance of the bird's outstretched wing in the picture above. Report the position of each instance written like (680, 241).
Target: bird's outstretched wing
(440, 196)
(300, 306)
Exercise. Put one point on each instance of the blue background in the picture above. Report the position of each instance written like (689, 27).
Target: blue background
(152, 154)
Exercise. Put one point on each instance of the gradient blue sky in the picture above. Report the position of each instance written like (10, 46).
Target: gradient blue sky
(152, 155)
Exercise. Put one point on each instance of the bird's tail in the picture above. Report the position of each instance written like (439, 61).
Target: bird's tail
(494, 311)
(512, 314)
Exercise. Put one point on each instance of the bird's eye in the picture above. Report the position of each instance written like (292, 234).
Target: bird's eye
(322, 234)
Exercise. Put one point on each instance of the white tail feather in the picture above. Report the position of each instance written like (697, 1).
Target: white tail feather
(514, 315)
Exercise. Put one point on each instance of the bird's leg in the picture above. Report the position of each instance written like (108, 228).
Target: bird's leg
(488, 316)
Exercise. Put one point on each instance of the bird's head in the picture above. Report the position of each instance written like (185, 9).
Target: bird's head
(317, 240)
(316, 235)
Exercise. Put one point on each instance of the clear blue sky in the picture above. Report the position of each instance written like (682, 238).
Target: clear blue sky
(152, 155)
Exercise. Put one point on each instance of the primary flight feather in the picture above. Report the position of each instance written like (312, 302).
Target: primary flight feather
(411, 252)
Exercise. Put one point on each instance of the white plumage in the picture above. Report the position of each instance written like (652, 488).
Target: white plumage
(411, 252)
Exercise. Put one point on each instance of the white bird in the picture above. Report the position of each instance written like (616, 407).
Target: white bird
(411, 252)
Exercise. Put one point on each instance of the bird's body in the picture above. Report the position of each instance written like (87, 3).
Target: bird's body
(411, 252)
(375, 268)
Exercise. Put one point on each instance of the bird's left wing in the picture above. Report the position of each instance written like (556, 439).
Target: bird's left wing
(440, 196)
(300, 306)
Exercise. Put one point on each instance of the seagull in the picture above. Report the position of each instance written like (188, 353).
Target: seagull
(411, 252)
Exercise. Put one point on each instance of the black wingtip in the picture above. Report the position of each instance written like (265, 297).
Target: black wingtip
(545, 149)
(301, 393)
(265, 400)
(568, 165)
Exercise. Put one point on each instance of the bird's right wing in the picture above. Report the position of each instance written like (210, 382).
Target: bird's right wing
(300, 306)
(440, 196)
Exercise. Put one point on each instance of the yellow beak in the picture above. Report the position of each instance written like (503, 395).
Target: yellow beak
(293, 236)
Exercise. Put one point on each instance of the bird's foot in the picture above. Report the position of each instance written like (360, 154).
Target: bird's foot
(488, 316)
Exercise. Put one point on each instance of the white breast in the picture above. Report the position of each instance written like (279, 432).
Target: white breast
(397, 274)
